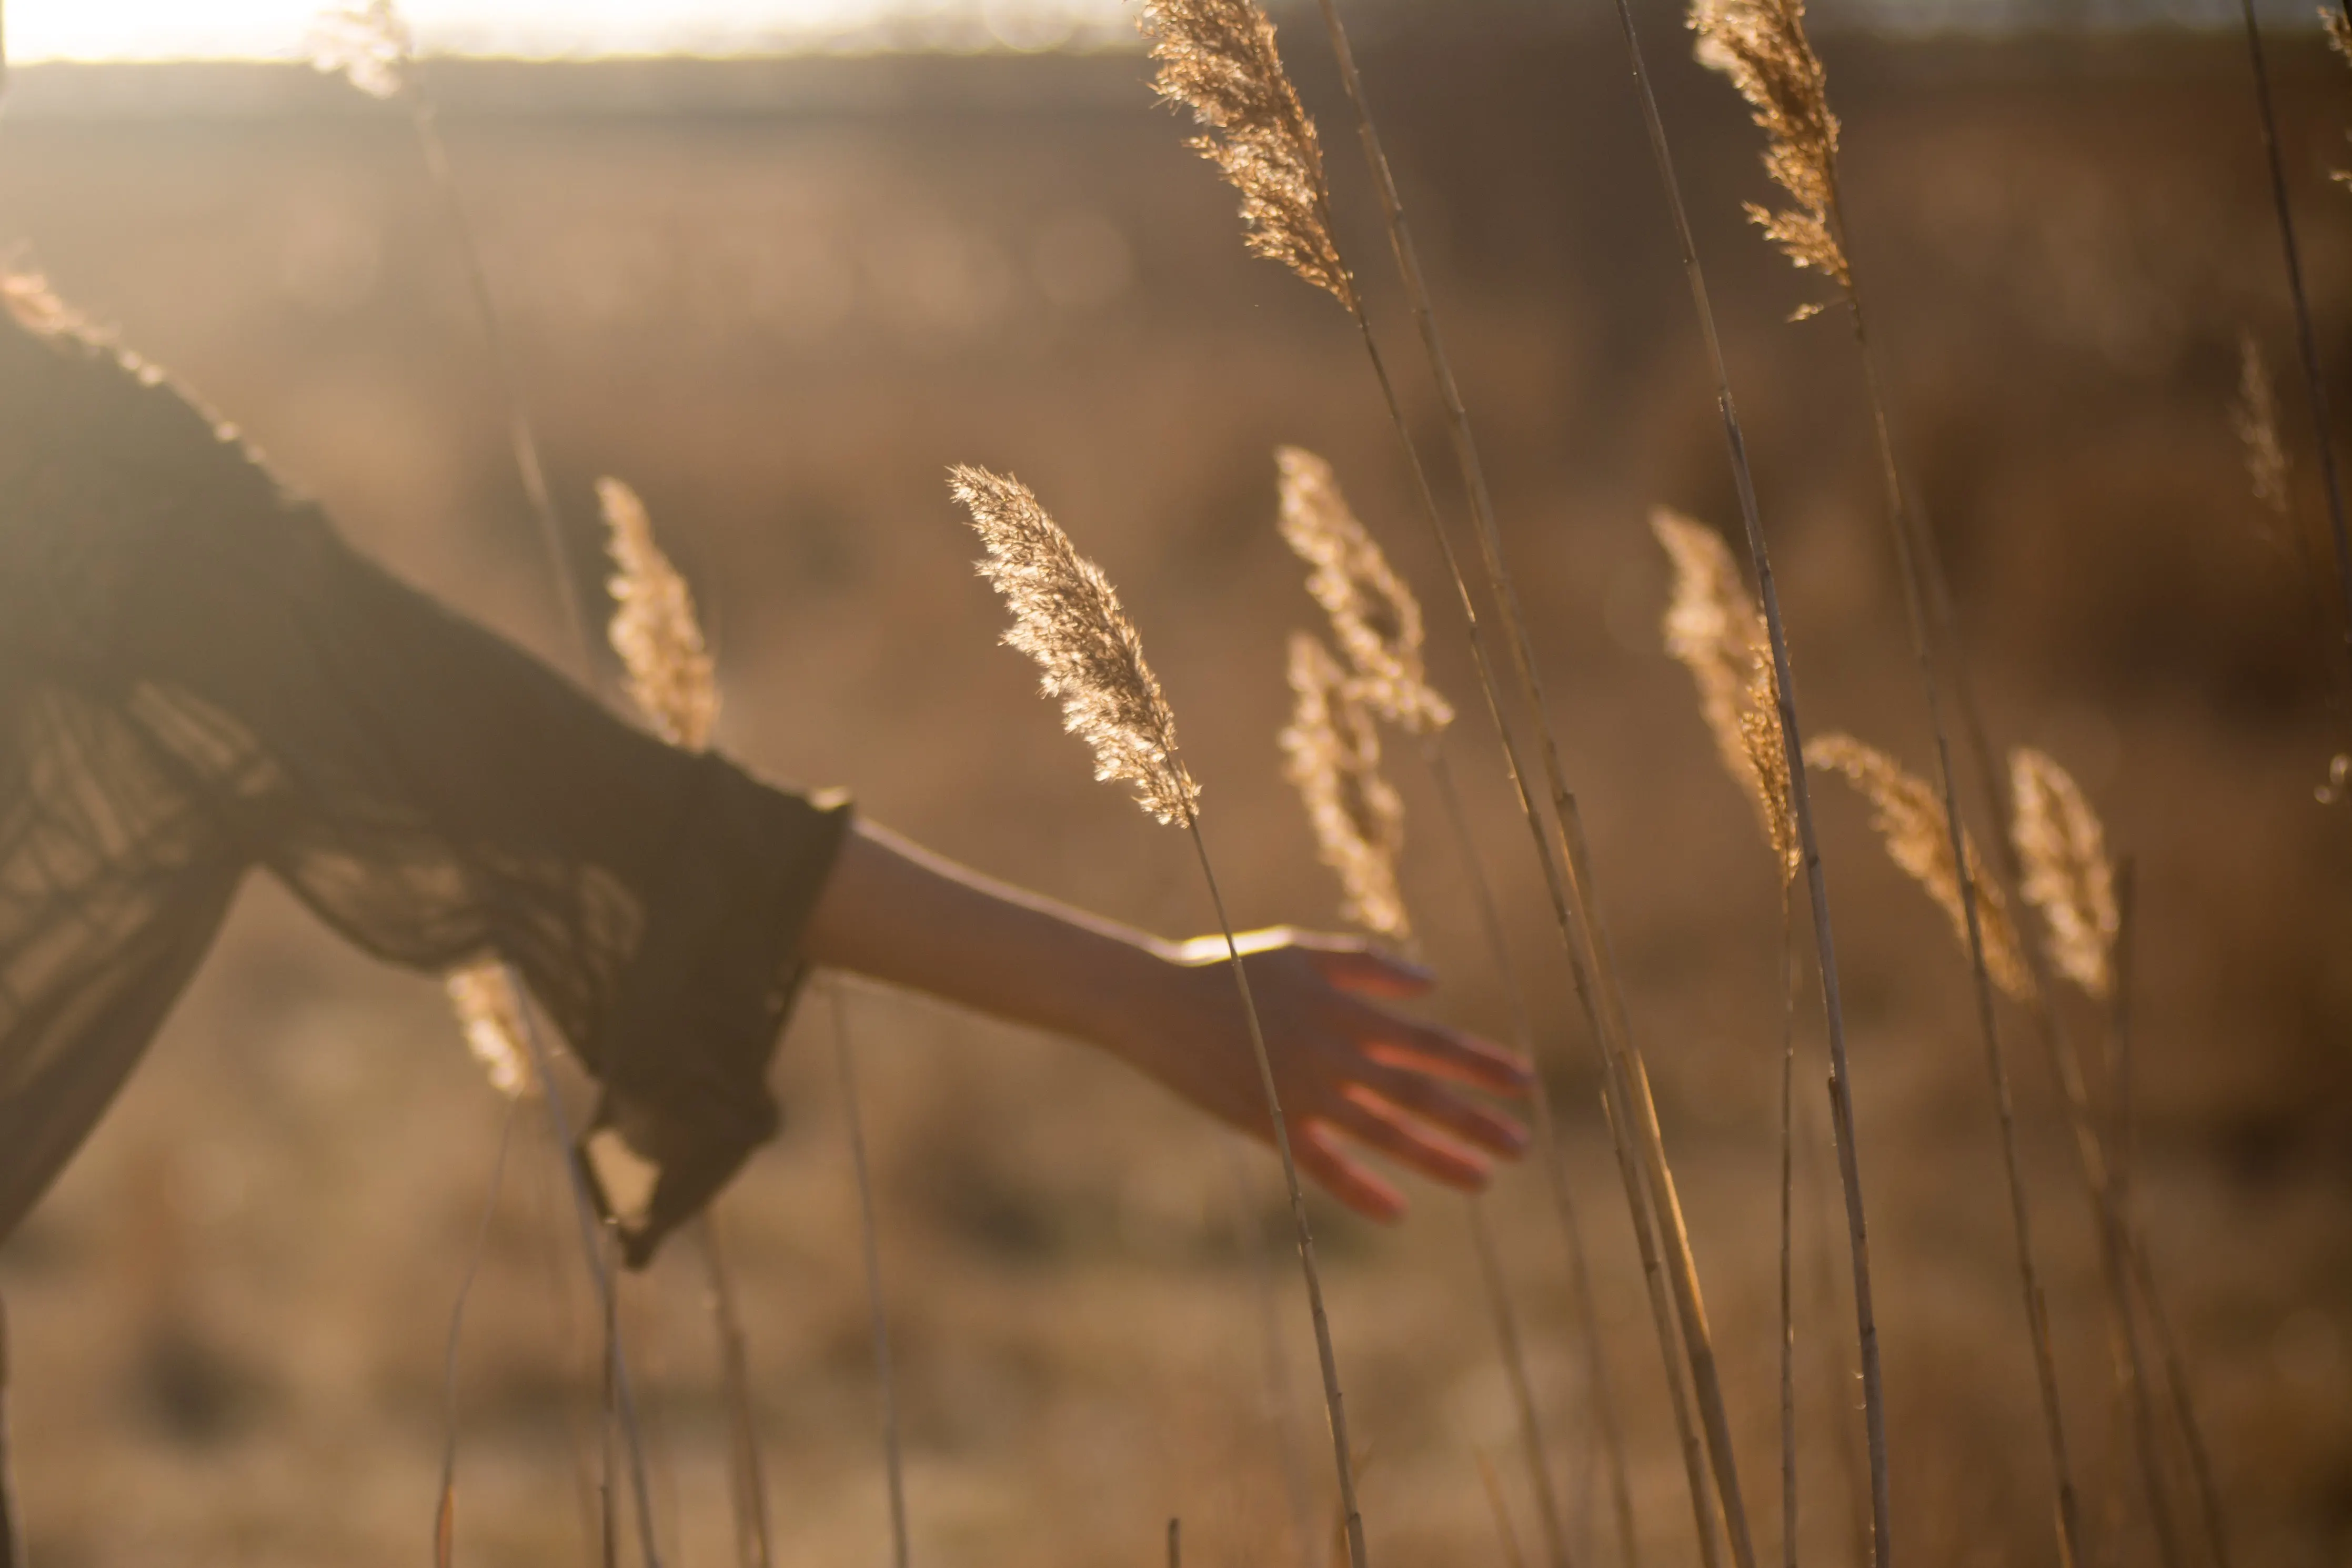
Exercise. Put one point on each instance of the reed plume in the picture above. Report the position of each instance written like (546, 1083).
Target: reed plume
(489, 1012)
(1374, 615)
(368, 44)
(1331, 755)
(1067, 618)
(2068, 877)
(1761, 46)
(1218, 59)
(1712, 627)
(653, 628)
(2338, 28)
(2256, 418)
(1909, 817)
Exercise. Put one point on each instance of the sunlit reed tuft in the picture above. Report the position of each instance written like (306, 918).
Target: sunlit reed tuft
(1713, 628)
(1909, 816)
(2255, 418)
(1218, 59)
(1761, 46)
(1066, 616)
(1332, 754)
(489, 1011)
(654, 628)
(2068, 878)
(368, 44)
(1375, 617)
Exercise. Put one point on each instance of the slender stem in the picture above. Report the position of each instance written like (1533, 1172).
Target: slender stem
(1281, 1404)
(1504, 1533)
(609, 1490)
(1696, 1347)
(1522, 1393)
(747, 1482)
(1816, 884)
(444, 1513)
(12, 1544)
(520, 435)
(584, 1206)
(2306, 340)
(1548, 1148)
(1333, 1400)
(893, 1461)
(1175, 1543)
(2037, 1313)
(1788, 1231)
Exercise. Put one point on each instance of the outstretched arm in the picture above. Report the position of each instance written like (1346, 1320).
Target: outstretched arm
(1349, 1070)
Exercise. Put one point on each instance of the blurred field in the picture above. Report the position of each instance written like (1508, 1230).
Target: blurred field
(780, 321)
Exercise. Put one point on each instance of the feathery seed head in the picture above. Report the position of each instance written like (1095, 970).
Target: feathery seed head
(2068, 876)
(1909, 816)
(491, 1014)
(1332, 754)
(1066, 616)
(2339, 30)
(367, 42)
(1373, 614)
(653, 628)
(1761, 46)
(1218, 59)
(1713, 629)
(2255, 417)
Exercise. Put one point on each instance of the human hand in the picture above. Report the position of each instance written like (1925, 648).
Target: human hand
(1350, 1073)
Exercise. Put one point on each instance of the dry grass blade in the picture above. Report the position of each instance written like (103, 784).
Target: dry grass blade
(1373, 614)
(1218, 59)
(1067, 618)
(1331, 755)
(1713, 628)
(653, 628)
(2255, 418)
(2067, 875)
(366, 44)
(489, 1011)
(1910, 819)
(1761, 46)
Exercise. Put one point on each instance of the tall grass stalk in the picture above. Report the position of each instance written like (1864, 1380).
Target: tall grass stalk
(445, 1511)
(1762, 44)
(1505, 1535)
(1068, 619)
(1548, 1149)
(1788, 1233)
(12, 1544)
(1609, 1030)
(1523, 1394)
(747, 1480)
(2306, 339)
(1218, 58)
(1800, 795)
(893, 1459)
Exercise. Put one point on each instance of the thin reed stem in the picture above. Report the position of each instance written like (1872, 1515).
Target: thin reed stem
(1908, 570)
(1522, 1393)
(445, 1512)
(1787, 1230)
(12, 1543)
(747, 1482)
(622, 1399)
(2306, 341)
(1644, 1126)
(1549, 1149)
(1800, 789)
(1506, 1534)
(1334, 1400)
(1281, 1402)
(1175, 1543)
(893, 1459)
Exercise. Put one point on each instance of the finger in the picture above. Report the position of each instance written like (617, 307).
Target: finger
(1367, 970)
(1383, 1127)
(1318, 1153)
(1443, 1053)
(1439, 1106)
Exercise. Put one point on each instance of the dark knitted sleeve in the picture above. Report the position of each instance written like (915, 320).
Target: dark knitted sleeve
(198, 677)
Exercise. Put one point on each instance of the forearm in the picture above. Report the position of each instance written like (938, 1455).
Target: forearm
(898, 913)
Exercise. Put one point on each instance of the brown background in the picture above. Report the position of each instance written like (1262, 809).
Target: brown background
(779, 299)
